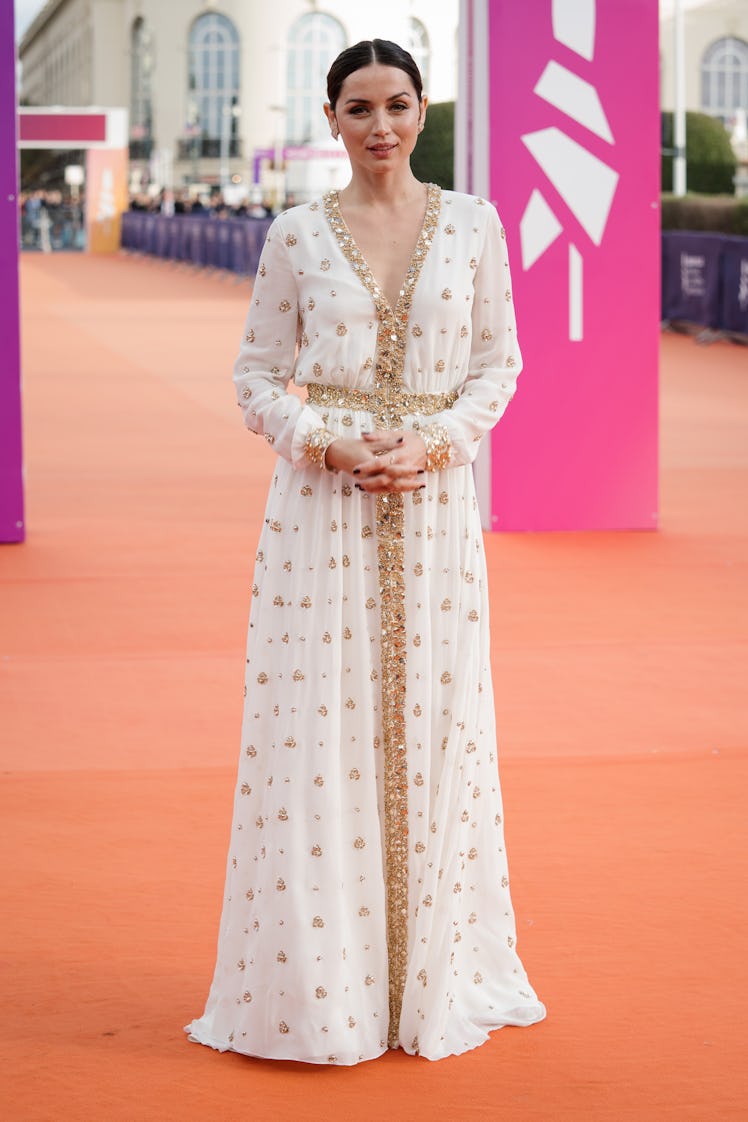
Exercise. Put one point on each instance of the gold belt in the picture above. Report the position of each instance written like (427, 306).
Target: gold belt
(376, 401)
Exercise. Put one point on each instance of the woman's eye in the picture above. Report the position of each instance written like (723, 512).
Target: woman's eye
(358, 110)
(399, 105)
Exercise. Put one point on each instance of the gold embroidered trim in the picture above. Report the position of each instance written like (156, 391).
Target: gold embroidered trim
(315, 446)
(373, 401)
(438, 446)
(388, 413)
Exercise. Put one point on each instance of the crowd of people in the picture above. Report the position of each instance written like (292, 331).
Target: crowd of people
(213, 205)
(51, 220)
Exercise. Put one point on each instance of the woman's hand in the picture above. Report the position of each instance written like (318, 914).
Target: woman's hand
(382, 461)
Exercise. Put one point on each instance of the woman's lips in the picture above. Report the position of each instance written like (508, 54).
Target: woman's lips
(382, 149)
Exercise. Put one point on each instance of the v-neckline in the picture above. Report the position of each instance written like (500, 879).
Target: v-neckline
(351, 251)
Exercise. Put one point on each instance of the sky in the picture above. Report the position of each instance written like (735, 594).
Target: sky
(27, 9)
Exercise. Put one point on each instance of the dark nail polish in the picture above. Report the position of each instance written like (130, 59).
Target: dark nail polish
(356, 471)
(422, 471)
(400, 439)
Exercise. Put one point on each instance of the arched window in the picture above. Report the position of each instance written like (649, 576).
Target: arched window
(313, 42)
(141, 90)
(213, 108)
(418, 46)
(724, 78)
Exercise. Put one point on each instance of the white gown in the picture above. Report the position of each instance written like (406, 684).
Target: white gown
(367, 897)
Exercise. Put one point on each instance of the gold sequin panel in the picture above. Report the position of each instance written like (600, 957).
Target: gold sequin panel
(389, 388)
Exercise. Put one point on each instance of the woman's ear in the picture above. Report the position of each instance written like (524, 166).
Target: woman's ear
(330, 114)
(422, 113)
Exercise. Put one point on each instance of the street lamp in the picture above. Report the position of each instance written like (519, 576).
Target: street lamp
(229, 113)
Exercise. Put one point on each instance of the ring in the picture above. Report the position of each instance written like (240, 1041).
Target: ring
(392, 459)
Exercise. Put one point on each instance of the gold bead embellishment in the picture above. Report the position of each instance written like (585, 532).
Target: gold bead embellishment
(438, 446)
(388, 412)
(371, 401)
(316, 445)
(291, 239)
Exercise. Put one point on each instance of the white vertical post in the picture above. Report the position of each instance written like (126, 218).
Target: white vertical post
(225, 136)
(464, 104)
(679, 107)
(576, 295)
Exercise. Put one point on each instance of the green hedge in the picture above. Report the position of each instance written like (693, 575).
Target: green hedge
(433, 158)
(710, 160)
(718, 214)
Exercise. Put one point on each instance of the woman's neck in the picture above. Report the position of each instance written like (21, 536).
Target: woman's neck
(398, 189)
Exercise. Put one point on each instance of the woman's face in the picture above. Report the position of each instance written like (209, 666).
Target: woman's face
(379, 117)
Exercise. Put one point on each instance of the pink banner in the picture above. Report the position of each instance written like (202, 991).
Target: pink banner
(574, 166)
(68, 129)
(11, 456)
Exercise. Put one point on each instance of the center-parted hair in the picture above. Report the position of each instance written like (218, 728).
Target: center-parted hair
(365, 53)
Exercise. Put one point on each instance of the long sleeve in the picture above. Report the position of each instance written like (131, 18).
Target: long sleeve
(495, 359)
(267, 356)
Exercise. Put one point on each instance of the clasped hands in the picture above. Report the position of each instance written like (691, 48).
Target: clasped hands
(382, 461)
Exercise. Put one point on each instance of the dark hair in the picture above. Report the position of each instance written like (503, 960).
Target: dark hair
(363, 54)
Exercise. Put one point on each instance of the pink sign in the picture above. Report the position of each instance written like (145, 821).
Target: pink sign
(11, 453)
(574, 166)
(68, 129)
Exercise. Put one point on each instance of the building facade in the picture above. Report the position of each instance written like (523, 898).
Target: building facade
(228, 93)
(716, 64)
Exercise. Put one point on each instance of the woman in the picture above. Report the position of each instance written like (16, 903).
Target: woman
(367, 901)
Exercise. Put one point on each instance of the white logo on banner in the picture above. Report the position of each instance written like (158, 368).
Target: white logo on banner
(106, 209)
(585, 183)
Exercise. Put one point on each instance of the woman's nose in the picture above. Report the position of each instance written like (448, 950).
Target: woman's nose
(381, 125)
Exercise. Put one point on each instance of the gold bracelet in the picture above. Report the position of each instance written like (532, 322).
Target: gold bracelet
(438, 446)
(316, 445)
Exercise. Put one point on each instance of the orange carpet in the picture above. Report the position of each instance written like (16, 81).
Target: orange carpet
(622, 689)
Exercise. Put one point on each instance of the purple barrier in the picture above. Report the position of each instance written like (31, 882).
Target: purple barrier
(128, 236)
(210, 244)
(239, 255)
(234, 244)
(161, 243)
(224, 245)
(256, 232)
(734, 315)
(692, 277)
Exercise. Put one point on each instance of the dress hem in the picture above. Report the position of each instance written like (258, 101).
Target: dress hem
(209, 1042)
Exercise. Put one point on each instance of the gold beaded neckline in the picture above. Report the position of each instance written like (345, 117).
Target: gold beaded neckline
(358, 262)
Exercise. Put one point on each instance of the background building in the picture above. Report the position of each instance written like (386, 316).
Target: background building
(716, 45)
(225, 93)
